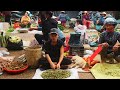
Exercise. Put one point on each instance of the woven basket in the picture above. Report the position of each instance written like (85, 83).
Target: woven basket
(32, 55)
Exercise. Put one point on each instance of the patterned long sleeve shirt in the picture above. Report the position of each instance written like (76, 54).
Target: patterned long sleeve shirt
(110, 37)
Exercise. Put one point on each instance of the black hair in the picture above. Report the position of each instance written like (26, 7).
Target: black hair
(50, 13)
(26, 12)
(79, 21)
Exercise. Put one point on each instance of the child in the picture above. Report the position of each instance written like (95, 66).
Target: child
(79, 27)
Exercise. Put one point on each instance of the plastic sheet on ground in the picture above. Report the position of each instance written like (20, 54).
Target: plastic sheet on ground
(74, 74)
(106, 71)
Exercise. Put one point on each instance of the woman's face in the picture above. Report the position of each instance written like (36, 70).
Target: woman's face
(84, 13)
(109, 27)
(26, 14)
(54, 37)
(103, 15)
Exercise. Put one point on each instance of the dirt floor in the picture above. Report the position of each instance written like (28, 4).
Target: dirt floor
(28, 74)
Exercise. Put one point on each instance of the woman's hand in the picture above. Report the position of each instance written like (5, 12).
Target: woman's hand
(105, 44)
(58, 66)
(52, 65)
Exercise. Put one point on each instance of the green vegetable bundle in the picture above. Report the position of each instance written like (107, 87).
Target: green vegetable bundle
(15, 39)
(3, 39)
(10, 29)
(60, 27)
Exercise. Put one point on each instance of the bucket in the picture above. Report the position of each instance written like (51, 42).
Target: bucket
(33, 55)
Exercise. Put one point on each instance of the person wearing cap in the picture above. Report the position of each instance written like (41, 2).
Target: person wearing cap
(47, 24)
(100, 21)
(96, 17)
(63, 18)
(54, 53)
(108, 40)
(61, 35)
(25, 20)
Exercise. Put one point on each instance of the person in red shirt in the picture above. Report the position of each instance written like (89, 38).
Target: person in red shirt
(86, 19)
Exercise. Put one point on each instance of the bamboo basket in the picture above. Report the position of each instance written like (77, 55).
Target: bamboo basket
(33, 55)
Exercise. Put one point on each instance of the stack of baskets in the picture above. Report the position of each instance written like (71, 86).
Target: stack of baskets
(76, 47)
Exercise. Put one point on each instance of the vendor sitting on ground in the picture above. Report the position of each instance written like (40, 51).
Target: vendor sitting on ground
(79, 27)
(54, 53)
(108, 39)
(25, 21)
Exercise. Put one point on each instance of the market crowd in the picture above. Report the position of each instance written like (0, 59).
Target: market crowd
(53, 38)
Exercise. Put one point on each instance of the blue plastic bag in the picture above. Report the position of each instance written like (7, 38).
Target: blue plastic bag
(98, 27)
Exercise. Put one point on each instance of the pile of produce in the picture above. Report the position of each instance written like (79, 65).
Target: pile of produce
(55, 74)
(34, 25)
(10, 29)
(16, 25)
(16, 65)
(106, 71)
(3, 63)
(60, 27)
(15, 39)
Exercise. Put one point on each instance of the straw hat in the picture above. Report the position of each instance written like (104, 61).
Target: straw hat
(103, 13)
(85, 12)
(63, 11)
